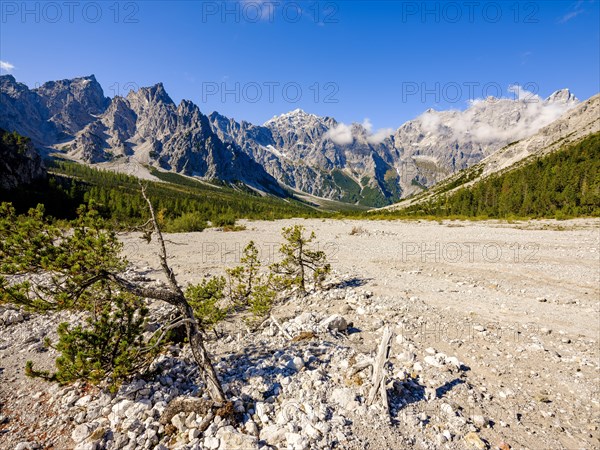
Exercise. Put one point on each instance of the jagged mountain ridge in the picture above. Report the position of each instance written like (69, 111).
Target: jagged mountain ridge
(148, 124)
(295, 150)
(74, 114)
(298, 148)
(53, 112)
(574, 125)
(311, 154)
(457, 139)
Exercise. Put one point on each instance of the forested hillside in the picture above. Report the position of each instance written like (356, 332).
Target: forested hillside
(183, 203)
(19, 162)
(562, 184)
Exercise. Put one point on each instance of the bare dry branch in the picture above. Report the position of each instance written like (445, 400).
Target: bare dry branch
(378, 382)
(278, 325)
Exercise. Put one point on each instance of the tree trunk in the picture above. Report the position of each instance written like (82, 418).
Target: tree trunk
(207, 371)
(383, 354)
(176, 297)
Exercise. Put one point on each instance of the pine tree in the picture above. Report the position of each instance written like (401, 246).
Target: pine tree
(299, 260)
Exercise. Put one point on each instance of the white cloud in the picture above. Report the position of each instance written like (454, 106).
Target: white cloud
(575, 11)
(254, 10)
(498, 120)
(5, 66)
(380, 135)
(570, 16)
(430, 121)
(523, 94)
(341, 134)
(367, 125)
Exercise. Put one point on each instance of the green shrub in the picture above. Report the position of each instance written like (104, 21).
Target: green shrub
(187, 223)
(242, 279)
(299, 260)
(205, 298)
(225, 220)
(85, 268)
(248, 288)
(261, 300)
(110, 344)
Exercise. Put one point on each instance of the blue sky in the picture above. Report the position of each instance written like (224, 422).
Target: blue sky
(387, 61)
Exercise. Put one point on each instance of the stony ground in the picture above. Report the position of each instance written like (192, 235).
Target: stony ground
(496, 329)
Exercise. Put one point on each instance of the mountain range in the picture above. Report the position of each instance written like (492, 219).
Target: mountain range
(577, 123)
(293, 152)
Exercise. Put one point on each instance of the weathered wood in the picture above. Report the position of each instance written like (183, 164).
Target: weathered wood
(383, 354)
(164, 295)
(384, 396)
(175, 296)
(358, 367)
(164, 329)
(162, 250)
(278, 325)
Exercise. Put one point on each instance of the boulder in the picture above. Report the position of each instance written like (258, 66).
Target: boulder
(335, 323)
(230, 438)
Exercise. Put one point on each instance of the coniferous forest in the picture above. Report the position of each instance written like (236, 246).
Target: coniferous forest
(183, 204)
(562, 184)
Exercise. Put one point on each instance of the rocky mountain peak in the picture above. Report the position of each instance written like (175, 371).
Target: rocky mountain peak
(314, 154)
(7, 79)
(158, 93)
(188, 107)
(295, 117)
(294, 113)
(53, 112)
(564, 96)
(152, 94)
(219, 118)
(11, 87)
(85, 90)
(189, 115)
(298, 112)
(73, 103)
